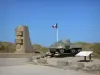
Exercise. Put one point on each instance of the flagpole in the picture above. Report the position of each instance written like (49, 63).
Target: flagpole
(56, 26)
(57, 34)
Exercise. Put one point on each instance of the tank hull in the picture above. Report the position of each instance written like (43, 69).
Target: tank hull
(63, 51)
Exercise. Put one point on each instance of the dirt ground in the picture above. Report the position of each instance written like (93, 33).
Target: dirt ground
(29, 69)
(23, 66)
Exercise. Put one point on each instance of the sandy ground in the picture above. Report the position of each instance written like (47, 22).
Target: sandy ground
(15, 55)
(36, 70)
(12, 61)
(21, 66)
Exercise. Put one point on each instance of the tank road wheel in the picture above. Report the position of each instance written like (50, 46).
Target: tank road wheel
(79, 50)
(73, 51)
(61, 51)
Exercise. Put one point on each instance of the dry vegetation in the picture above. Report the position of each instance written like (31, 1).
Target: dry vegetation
(93, 46)
(7, 47)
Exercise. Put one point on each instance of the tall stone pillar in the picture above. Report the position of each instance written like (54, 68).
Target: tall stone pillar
(23, 43)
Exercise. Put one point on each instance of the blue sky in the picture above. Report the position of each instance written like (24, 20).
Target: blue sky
(78, 20)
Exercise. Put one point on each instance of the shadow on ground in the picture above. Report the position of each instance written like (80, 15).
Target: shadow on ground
(65, 55)
(85, 61)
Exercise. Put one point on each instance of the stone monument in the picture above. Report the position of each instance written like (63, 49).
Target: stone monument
(23, 43)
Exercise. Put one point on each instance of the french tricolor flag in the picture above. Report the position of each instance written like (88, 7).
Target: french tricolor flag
(55, 26)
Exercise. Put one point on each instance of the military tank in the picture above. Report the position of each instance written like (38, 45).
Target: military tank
(64, 47)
